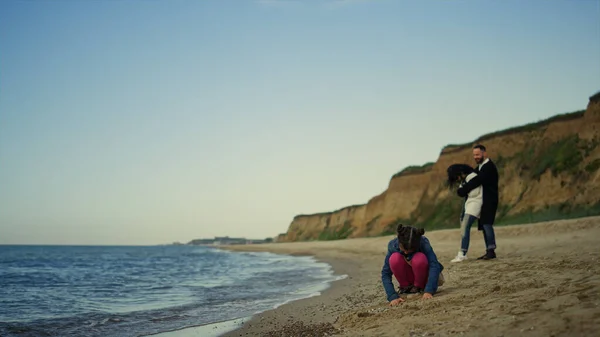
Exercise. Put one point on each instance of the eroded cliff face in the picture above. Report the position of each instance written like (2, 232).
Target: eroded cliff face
(548, 170)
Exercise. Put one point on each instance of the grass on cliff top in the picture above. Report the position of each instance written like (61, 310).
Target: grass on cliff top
(595, 97)
(414, 169)
(518, 129)
(328, 213)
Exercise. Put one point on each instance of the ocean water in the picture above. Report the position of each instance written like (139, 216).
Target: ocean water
(136, 291)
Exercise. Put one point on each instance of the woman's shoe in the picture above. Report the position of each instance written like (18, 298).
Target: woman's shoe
(460, 257)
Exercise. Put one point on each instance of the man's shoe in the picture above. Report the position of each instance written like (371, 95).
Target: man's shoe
(490, 254)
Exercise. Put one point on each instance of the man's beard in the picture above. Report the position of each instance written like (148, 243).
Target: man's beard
(479, 160)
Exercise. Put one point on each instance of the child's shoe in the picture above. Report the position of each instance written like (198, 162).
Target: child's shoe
(405, 290)
(415, 293)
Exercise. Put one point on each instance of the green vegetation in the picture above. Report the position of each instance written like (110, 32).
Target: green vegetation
(523, 128)
(431, 215)
(327, 213)
(503, 209)
(555, 212)
(443, 214)
(564, 155)
(372, 223)
(523, 159)
(414, 169)
(590, 146)
(390, 229)
(593, 166)
(500, 162)
(342, 233)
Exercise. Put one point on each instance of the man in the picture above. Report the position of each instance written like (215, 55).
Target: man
(487, 177)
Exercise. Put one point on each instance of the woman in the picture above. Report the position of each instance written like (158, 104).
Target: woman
(460, 174)
(413, 262)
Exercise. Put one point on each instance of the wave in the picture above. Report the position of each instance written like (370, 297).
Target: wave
(138, 291)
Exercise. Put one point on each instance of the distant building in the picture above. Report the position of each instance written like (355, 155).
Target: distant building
(202, 242)
(226, 240)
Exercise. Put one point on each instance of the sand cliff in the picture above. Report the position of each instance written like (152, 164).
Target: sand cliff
(548, 170)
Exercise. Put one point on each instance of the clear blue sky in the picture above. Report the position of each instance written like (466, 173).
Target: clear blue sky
(145, 122)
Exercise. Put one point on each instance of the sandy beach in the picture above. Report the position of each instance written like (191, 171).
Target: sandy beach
(545, 282)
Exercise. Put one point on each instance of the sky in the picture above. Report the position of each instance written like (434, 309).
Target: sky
(150, 122)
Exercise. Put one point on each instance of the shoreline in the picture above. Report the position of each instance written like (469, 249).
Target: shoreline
(317, 316)
(243, 325)
(314, 309)
(215, 329)
(545, 281)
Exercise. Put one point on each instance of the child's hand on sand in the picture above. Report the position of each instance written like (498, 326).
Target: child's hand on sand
(396, 301)
(427, 296)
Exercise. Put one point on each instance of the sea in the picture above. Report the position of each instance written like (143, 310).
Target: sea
(144, 290)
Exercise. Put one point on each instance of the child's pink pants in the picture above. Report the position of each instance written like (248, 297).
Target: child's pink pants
(414, 273)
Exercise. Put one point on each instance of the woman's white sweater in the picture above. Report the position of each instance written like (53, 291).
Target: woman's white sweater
(474, 199)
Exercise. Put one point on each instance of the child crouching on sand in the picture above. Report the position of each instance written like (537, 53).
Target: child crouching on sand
(413, 262)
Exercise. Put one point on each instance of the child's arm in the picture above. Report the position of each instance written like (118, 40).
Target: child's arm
(386, 278)
(435, 268)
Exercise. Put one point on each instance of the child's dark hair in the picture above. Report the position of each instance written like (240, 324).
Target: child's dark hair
(455, 172)
(410, 237)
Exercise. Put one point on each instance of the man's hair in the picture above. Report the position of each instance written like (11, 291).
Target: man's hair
(479, 146)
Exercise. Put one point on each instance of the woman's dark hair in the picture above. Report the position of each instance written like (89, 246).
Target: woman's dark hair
(410, 237)
(455, 172)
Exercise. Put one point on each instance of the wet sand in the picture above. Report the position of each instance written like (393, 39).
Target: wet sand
(545, 282)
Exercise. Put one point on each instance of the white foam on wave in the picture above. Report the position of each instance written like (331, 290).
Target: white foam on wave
(322, 275)
(312, 290)
(340, 277)
(315, 294)
(208, 330)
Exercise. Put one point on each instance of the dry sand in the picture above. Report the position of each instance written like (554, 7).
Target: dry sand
(545, 282)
